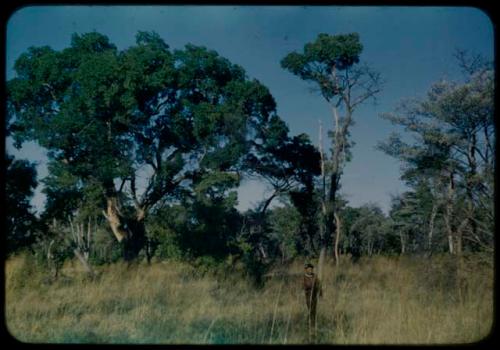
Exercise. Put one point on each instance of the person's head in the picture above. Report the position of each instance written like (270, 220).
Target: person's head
(309, 268)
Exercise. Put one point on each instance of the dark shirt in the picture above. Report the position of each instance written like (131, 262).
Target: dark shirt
(312, 284)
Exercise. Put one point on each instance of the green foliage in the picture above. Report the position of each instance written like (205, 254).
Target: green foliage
(449, 165)
(63, 191)
(104, 248)
(109, 108)
(368, 231)
(28, 272)
(166, 241)
(318, 57)
(331, 63)
(286, 227)
(340, 50)
(21, 224)
(189, 116)
(206, 264)
(213, 186)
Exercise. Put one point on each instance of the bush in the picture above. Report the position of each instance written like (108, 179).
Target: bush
(105, 248)
(26, 272)
(207, 265)
(166, 244)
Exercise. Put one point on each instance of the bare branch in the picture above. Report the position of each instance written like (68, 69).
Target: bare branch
(121, 185)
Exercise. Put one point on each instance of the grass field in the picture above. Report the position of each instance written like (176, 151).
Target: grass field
(379, 300)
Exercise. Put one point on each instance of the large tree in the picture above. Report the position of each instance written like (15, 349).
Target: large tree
(288, 165)
(141, 126)
(331, 63)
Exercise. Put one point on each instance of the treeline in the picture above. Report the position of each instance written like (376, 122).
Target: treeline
(147, 146)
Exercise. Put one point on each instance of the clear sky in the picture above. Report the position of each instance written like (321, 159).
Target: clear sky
(411, 47)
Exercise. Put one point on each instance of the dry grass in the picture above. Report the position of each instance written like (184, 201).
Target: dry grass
(377, 301)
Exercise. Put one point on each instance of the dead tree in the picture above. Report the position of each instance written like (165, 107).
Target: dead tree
(81, 242)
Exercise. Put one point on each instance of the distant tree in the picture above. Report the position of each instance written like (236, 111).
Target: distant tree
(407, 220)
(331, 63)
(351, 242)
(109, 118)
(20, 222)
(454, 147)
(370, 229)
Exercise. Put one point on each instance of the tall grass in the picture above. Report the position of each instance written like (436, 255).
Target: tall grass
(379, 300)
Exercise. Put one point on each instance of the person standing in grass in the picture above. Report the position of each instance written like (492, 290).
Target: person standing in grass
(313, 289)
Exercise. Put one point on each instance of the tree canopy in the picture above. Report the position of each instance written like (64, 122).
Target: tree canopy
(452, 150)
(145, 125)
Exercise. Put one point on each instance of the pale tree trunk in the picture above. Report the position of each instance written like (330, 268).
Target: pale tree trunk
(322, 228)
(130, 231)
(460, 280)
(431, 226)
(321, 262)
(337, 160)
(84, 262)
(51, 262)
(335, 174)
(403, 241)
(471, 183)
(449, 214)
(83, 244)
(370, 246)
(338, 157)
(262, 251)
(450, 242)
(112, 215)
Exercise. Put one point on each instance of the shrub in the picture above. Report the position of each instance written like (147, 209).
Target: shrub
(105, 248)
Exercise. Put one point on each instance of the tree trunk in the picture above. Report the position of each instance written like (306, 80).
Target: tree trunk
(130, 232)
(261, 218)
(84, 262)
(321, 261)
(403, 242)
(330, 224)
(323, 219)
(83, 243)
(262, 251)
(337, 239)
(459, 235)
(431, 227)
(115, 221)
(471, 183)
(53, 267)
(449, 213)
(136, 240)
(450, 243)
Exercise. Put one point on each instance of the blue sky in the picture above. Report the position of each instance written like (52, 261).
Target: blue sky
(411, 47)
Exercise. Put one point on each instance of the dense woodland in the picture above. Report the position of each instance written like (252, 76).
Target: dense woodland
(148, 145)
